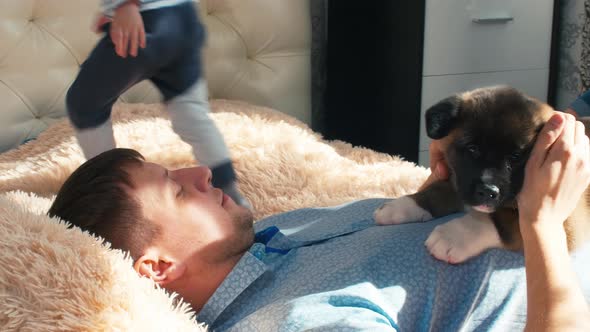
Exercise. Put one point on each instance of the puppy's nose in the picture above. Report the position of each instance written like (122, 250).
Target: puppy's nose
(487, 191)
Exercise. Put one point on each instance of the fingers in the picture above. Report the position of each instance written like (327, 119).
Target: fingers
(137, 41)
(127, 29)
(548, 135)
(442, 170)
(435, 154)
(438, 164)
(121, 39)
(582, 143)
(124, 44)
(117, 38)
(133, 43)
(569, 131)
(142, 36)
(563, 149)
(580, 136)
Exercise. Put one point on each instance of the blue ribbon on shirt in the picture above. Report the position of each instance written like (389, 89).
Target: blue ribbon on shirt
(265, 235)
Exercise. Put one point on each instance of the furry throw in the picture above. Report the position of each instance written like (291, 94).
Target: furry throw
(58, 279)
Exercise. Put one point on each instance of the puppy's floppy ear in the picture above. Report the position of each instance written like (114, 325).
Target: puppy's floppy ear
(441, 117)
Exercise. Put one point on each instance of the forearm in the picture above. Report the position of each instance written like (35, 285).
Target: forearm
(555, 301)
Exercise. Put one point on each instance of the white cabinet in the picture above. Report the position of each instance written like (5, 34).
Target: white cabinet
(475, 43)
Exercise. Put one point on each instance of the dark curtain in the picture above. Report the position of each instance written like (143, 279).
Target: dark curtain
(319, 37)
(374, 74)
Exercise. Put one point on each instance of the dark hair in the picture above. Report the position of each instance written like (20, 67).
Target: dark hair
(96, 198)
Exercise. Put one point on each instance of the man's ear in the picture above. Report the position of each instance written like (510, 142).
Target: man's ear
(160, 269)
(441, 117)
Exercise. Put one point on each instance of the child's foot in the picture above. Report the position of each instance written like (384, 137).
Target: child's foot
(232, 191)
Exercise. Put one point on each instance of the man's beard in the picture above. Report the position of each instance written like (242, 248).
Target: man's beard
(244, 221)
(244, 218)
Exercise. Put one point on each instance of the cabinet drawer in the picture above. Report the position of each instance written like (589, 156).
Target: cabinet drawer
(436, 88)
(511, 35)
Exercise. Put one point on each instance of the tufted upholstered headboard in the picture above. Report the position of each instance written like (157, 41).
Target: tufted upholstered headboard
(257, 51)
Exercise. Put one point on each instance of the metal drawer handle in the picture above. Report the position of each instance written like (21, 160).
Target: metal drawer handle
(497, 19)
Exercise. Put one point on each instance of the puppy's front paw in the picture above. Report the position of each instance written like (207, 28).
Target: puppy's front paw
(399, 211)
(460, 239)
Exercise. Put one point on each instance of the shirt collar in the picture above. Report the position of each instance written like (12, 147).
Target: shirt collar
(248, 269)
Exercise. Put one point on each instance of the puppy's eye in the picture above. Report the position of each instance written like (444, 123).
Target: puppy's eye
(472, 149)
(515, 156)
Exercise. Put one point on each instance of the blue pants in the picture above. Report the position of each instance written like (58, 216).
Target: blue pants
(171, 60)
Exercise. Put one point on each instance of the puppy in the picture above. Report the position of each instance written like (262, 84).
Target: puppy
(487, 135)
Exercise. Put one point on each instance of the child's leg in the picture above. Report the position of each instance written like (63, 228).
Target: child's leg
(185, 94)
(94, 141)
(189, 113)
(103, 77)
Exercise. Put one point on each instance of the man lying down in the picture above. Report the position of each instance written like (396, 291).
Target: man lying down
(309, 269)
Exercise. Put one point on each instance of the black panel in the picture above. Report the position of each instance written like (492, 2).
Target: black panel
(554, 59)
(374, 74)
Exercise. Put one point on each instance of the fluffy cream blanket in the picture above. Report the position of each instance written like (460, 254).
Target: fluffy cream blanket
(57, 279)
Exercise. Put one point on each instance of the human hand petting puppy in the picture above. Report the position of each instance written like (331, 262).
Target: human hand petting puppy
(556, 175)
(127, 31)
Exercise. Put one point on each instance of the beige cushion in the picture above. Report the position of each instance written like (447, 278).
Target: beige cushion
(257, 51)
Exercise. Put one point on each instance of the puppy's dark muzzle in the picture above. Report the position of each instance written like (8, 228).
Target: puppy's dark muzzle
(488, 194)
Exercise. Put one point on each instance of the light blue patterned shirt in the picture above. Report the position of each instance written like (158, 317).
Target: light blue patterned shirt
(333, 269)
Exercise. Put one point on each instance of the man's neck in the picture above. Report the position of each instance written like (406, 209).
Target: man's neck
(202, 282)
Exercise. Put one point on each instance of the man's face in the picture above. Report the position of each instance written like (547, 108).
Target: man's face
(195, 218)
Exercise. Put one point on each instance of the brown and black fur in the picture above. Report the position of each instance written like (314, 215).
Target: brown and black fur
(491, 128)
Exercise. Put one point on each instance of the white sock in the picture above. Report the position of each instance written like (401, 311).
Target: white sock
(189, 113)
(94, 141)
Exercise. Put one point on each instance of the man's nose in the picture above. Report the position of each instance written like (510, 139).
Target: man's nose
(199, 177)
